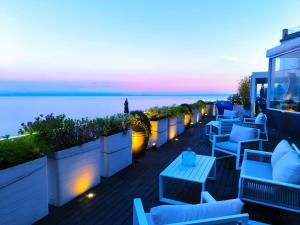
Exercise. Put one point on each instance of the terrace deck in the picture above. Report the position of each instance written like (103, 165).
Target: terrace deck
(112, 203)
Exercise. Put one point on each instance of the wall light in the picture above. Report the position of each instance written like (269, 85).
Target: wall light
(176, 139)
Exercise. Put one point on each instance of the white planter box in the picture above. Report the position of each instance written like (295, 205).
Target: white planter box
(210, 110)
(159, 132)
(196, 116)
(73, 171)
(172, 130)
(116, 153)
(24, 193)
(180, 125)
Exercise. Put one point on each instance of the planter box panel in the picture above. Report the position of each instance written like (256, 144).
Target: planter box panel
(180, 125)
(172, 130)
(23, 192)
(210, 110)
(159, 132)
(73, 172)
(196, 116)
(116, 153)
(117, 141)
(116, 161)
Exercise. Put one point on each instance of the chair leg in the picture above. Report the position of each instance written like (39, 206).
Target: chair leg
(237, 162)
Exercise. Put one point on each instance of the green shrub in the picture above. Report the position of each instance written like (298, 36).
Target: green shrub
(60, 132)
(110, 125)
(18, 150)
(157, 113)
(176, 111)
(243, 95)
(139, 122)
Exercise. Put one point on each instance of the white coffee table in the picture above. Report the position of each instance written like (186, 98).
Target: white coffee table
(205, 168)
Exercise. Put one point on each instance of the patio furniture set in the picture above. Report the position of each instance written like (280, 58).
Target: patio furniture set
(267, 178)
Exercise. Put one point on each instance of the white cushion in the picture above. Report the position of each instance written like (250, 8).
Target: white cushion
(181, 213)
(239, 133)
(287, 169)
(229, 114)
(260, 118)
(228, 145)
(257, 169)
(280, 150)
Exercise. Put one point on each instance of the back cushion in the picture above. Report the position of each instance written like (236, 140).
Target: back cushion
(260, 118)
(228, 114)
(239, 133)
(280, 150)
(287, 168)
(179, 213)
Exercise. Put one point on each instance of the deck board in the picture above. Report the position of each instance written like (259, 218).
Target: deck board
(113, 201)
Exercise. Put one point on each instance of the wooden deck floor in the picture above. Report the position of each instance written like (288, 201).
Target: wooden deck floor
(112, 203)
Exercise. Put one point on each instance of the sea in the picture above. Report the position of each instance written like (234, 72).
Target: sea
(15, 110)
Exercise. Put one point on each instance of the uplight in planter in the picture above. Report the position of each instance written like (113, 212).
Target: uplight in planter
(172, 132)
(138, 143)
(83, 179)
(187, 119)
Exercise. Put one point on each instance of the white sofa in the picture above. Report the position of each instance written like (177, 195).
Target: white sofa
(271, 179)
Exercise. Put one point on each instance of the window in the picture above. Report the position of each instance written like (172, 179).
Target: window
(285, 82)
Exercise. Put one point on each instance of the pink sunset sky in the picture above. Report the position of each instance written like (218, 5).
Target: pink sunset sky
(138, 46)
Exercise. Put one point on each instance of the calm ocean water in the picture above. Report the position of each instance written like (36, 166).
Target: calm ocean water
(16, 110)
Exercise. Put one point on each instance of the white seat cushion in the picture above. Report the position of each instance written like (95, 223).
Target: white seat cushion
(257, 169)
(228, 145)
(182, 213)
(280, 150)
(260, 118)
(287, 169)
(149, 219)
(229, 114)
(239, 133)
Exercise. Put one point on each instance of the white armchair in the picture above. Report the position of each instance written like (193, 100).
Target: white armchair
(140, 217)
(222, 126)
(234, 143)
(257, 185)
(259, 122)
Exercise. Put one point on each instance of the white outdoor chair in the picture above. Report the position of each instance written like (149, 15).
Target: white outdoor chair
(259, 122)
(234, 143)
(228, 114)
(222, 126)
(257, 185)
(142, 218)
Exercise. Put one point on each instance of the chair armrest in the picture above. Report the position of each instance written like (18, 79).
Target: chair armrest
(249, 144)
(206, 197)
(220, 138)
(256, 155)
(219, 117)
(139, 216)
(273, 182)
(251, 120)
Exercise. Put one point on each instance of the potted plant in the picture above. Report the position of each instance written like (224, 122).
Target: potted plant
(115, 135)
(182, 111)
(73, 158)
(23, 181)
(141, 131)
(159, 125)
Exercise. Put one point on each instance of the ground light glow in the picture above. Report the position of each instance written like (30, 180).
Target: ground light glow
(90, 195)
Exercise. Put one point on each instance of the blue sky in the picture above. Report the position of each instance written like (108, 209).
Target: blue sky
(152, 46)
